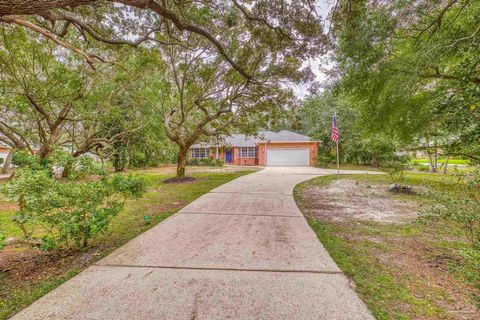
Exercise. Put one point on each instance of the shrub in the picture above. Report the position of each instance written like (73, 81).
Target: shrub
(193, 162)
(395, 168)
(323, 161)
(218, 162)
(423, 168)
(461, 205)
(68, 212)
(205, 162)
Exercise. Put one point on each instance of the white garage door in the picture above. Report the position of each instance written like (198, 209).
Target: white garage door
(287, 157)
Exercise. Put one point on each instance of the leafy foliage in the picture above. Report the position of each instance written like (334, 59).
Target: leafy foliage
(356, 143)
(461, 205)
(205, 162)
(396, 167)
(411, 71)
(71, 211)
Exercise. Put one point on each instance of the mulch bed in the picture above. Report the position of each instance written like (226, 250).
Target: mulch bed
(179, 180)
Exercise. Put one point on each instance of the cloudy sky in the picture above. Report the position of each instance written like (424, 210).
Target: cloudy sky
(324, 7)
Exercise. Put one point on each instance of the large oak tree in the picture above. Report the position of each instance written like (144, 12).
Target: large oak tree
(49, 100)
(293, 26)
(250, 50)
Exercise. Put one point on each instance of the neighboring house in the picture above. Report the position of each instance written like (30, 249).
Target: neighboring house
(5, 158)
(284, 148)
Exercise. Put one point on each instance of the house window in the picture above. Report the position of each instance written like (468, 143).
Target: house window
(200, 153)
(248, 152)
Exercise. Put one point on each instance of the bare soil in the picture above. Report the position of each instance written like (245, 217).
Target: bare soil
(418, 261)
(347, 199)
(19, 264)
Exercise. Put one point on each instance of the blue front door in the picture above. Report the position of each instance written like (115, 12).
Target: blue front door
(228, 155)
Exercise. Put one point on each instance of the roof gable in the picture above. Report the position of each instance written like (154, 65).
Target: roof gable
(241, 140)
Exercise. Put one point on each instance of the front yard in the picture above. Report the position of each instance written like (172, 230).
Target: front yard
(400, 268)
(27, 273)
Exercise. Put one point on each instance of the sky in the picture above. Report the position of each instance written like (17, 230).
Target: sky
(323, 8)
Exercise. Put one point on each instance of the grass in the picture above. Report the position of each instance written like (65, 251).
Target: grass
(401, 271)
(442, 161)
(349, 166)
(26, 282)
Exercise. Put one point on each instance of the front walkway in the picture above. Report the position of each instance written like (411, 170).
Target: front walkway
(242, 251)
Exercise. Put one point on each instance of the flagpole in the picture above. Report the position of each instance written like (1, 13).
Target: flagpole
(338, 162)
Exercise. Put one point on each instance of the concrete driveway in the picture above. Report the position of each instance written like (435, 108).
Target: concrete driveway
(242, 251)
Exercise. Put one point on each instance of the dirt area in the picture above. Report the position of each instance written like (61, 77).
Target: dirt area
(33, 265)
(346, 199)
(400, 267)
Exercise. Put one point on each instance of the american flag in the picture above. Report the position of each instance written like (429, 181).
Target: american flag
(334, 136)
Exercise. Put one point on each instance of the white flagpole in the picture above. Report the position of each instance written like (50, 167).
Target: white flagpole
(338, 162)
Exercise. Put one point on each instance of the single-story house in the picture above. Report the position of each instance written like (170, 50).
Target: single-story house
(284, 148)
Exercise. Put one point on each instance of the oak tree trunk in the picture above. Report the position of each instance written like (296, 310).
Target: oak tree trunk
(431, 161)
(181, 161)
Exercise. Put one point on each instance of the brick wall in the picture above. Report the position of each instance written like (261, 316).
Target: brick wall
(242, 161)
(261, 160)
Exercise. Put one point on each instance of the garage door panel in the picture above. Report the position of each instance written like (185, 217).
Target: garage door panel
(287, 157)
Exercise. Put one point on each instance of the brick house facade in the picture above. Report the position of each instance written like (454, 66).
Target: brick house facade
(284, 148)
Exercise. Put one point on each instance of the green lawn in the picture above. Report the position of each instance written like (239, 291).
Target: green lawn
(27, 273)
(401, 271)
(442, 161)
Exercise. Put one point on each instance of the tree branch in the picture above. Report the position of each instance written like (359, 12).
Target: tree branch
(182, 25)
(51, 36)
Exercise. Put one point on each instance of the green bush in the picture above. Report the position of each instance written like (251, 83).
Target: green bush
(460, 205)
(219, 162)
(396, 167)
(71, 211)
(422, 168)
(323, 161)
(205, 162)
(193, 162)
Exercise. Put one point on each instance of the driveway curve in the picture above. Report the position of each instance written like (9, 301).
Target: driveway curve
(242, 251)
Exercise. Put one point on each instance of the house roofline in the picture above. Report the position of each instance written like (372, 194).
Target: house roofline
(262, 142)
(256, 144)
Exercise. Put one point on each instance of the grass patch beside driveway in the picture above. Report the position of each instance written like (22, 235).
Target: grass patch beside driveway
(26, 273)
(401, 269)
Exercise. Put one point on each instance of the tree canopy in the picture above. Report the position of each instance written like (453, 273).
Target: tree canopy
(411, 70)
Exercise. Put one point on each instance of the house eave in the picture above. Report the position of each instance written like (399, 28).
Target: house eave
(283, 142)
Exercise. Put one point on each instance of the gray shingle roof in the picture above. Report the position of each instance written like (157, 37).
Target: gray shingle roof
(241, 140)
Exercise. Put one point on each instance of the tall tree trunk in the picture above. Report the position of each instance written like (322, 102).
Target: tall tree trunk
(118, 163)
(445, 166)
(181, 161)
(66, 170)
(431, 162)
(374, 160)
